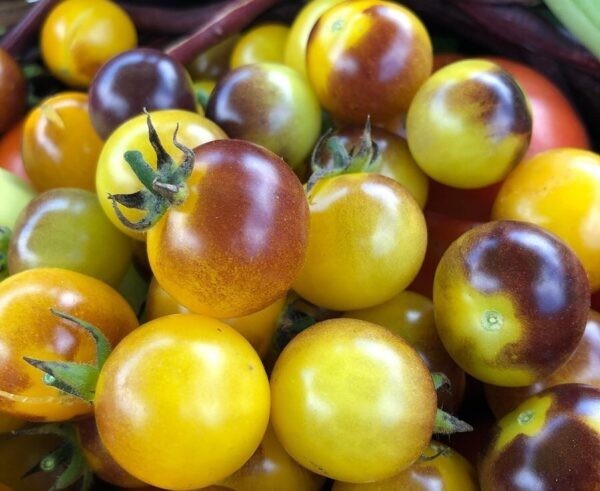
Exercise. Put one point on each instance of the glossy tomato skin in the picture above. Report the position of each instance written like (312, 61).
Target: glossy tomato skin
(67, 228)
(262, 43)
(511, 302)
(560, 191)
(213, 62)
(270, 105)
(238, 241)
(204, 395)
(13, 91)
(582, 367)
(271, 469)
(367, 242)
(15, 194)
(395, 160)
(550, 442)
(137, 79)
(468, 124)
(28, 328)
(343, 386)
(449, 471)
(367, 57)
(113, 173)
(99, 459)
(78, 37)
(410, 316)
(10, 151)
(295, 47)
(258, 328)
(60, 147)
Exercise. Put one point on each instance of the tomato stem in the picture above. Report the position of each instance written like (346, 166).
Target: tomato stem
(447, 424)
(5, 234)
(362, 158)
(440, 380)
(76, 379)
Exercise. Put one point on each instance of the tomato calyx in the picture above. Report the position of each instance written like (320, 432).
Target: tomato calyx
(67, 459)
(364, 157)
(76, 379)
(445, 423)
(164, 187)
(4, 241)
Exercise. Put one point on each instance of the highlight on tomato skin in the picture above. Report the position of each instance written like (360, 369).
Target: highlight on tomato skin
(511, 302)
(551, 441)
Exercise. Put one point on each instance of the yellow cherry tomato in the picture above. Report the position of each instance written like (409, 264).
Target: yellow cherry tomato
(258, 328)
(182, 402)
(263, 43)
(352, 401)
(441, 468)
(113, 174)
(295, 47)
(60, 147)
(560, 191)
(79, 36)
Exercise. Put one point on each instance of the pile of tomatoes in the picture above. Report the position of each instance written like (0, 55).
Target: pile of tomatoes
(294, 263)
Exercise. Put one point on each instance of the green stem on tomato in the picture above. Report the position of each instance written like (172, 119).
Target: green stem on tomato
(447, 424)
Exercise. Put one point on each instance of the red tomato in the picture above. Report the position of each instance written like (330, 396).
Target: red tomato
(10, 151)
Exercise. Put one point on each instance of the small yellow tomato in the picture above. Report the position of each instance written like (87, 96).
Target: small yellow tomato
(263, 43)
(79, 36)
(558, 190)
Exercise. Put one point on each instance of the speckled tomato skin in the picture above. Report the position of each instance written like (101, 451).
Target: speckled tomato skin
(28, 328)
(239, 239)
(511, 302)
(551, 442)
(367, 57)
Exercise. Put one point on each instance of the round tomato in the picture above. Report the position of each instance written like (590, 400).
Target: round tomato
(60, 147)
(79, 36)
(262, 43)
(511, 302)
(29, 329)
(113, 174)
(13, 91)
(367, 57)
(10, 151)
(15, 194)
(560, 191)
(352, 401)
(367, 242)
(196, 405)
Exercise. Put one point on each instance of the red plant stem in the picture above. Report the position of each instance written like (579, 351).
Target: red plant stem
(233, 16)
(170, 20)
(20, 36)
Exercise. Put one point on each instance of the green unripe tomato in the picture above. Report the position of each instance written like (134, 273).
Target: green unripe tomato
(14, 196)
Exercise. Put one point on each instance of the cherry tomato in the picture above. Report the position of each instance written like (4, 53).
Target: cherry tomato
(352, 401)
(295, 47)
(468, 124)
(79, 36)
(560, 191)
(367, 57)
(410, 316)
(98, 458)
(395, 160)
(511, 302)
(367, 242)
(582, 367)
(271, 469)
(14, 196)
(262, 43)
(196, 405)
(550, 442)
(60, 147)
(9, 423)
(258, 328)
(237, 242)
(28, 328)
(66, 228)
(440, 468)
(113, 174)
(10, 151)
(13, 91)
(270, 105)
(135, 80)
(213, 62)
